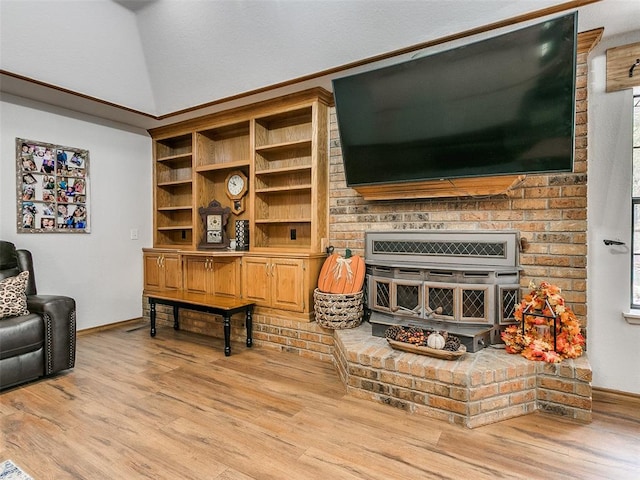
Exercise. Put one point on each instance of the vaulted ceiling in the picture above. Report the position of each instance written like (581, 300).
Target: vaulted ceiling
(157, 58)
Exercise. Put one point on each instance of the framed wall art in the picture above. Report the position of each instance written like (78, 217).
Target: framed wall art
(52, 186)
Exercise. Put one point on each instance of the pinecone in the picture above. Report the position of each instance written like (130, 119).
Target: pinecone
(392, 332)
(452, 344)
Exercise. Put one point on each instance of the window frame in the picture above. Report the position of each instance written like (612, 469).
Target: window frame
(635, 202)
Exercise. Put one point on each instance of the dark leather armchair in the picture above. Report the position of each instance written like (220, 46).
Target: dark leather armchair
(42, 342)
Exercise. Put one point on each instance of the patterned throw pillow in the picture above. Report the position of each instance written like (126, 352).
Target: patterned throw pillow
(13, 299)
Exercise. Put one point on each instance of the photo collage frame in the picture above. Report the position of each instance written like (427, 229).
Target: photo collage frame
(52, 188)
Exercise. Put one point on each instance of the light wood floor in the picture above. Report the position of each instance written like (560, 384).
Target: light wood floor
(174, 407)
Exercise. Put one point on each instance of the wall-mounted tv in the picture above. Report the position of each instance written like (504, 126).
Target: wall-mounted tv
(500, 106)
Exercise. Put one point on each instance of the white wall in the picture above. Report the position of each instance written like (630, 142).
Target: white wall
(102, 270)
(90, 46)
(613, 344)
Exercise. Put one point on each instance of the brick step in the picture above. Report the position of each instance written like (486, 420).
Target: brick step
(476, 389)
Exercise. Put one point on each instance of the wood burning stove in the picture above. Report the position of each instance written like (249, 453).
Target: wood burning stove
(466, 283)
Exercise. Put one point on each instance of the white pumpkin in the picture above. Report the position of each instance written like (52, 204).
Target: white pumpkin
(436, 341)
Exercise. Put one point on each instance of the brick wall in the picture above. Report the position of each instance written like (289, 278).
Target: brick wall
(549, 211)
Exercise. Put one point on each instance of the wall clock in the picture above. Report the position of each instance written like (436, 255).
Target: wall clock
(214, 220)
(236, 186)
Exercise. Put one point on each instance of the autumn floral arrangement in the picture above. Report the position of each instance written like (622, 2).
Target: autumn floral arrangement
(542, 306)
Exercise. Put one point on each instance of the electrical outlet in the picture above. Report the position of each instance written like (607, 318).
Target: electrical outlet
(134, 234)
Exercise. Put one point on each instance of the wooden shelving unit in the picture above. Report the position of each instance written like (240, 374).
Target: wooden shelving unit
(173, 193)
(224, 146)
(287, 182)
(281, 146)
(220, 148)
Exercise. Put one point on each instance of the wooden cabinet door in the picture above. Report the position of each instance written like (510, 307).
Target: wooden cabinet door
(162, 270)
(196, 274)
(226, 277)
(256, 280)
(212, 275)
(274, 282)
(152, 271)
(287, 284)
(172, 271)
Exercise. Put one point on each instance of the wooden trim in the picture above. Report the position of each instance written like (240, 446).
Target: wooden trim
(303, 97)
(589, 39)
(570, 5)
(140, 321)
(74, 93)
(616, 392)
(619, 61)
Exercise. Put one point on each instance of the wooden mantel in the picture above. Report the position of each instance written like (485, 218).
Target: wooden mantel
(453, 187)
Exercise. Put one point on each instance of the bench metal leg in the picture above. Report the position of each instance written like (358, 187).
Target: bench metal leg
(227, 334)
(249, 322)
(152, 316)
(176, 322)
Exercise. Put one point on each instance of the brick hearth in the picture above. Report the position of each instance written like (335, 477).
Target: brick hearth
(474, 390)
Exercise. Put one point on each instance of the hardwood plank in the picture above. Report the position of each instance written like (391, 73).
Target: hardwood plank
(175, 407)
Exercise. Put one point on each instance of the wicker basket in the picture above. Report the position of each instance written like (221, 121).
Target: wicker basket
(338, 311)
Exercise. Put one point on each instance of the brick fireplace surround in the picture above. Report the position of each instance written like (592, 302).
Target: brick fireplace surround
(549, 211)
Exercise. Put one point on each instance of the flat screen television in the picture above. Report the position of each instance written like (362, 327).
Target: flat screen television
(500, 106)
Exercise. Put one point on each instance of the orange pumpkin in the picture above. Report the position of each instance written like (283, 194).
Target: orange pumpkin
(341, 275)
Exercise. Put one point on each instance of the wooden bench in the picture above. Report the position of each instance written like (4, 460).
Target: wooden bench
(224, 306)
